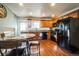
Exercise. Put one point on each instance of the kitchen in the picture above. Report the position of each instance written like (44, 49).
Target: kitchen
(43, 21)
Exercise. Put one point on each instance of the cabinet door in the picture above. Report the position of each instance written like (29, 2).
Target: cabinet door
(74, 33)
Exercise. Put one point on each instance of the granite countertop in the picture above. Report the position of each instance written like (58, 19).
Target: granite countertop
(37, 30)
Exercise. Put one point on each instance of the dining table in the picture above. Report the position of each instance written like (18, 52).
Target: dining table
(23, 38)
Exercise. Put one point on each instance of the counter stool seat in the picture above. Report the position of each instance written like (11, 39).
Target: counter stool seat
(34, 47)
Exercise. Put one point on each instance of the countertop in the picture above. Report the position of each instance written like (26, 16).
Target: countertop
(37, 30)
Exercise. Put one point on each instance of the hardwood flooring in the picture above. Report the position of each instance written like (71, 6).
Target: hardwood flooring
(50, 48)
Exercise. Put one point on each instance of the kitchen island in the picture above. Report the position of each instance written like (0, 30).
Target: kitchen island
(38, 31)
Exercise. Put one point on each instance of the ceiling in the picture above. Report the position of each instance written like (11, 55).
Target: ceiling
(40, 9)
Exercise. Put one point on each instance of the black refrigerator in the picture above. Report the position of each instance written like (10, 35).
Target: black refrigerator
(70, 33)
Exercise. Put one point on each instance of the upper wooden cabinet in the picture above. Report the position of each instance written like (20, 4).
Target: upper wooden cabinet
(74, 14)
(46, 23)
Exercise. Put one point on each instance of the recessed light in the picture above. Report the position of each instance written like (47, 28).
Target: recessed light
(30, 13)
(53, 15)
(21, 4)
(53, 4)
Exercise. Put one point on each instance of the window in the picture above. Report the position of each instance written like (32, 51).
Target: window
(22, 26)
(36, 24)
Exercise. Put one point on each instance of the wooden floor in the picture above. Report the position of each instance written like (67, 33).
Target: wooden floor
(50, 48)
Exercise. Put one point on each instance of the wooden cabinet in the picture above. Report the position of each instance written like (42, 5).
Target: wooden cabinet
(46, 23)
(74, 14)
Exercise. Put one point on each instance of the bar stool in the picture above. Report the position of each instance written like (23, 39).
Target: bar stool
(34, 45)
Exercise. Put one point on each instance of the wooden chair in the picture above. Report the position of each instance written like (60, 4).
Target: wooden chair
(14, 45)
(34, 45)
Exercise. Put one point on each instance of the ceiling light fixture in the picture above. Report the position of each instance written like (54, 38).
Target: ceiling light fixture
(30, 13)
(53, 15)
(21, 4)
(53, 4)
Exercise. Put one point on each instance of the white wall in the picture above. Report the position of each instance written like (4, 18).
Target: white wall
(9, 21)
